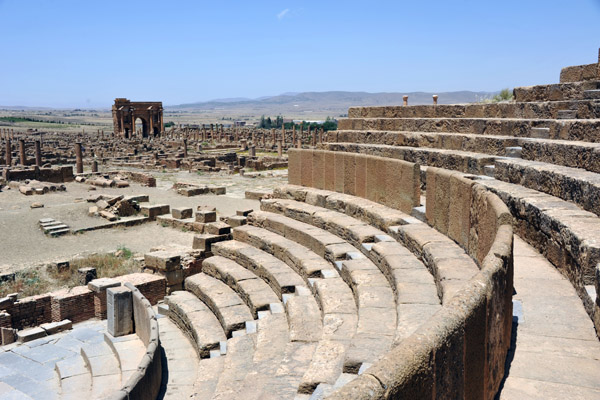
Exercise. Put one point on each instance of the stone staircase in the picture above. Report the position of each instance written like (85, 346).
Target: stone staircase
(85, 362)
(305, 298)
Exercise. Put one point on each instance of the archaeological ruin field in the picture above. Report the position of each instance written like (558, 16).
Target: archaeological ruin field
(415, 252)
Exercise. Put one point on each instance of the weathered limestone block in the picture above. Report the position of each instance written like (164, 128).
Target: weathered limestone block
(181, 212)
(120, 311)
(152, 211)
(163, 260)
(206, 216)
(99, 287)
(204, 241)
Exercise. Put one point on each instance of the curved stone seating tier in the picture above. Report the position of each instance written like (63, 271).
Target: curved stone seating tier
(183, 363)
(254, 291)
(104, 368)
(196, 320)
(556, 91)
(567, 129)
(578, 73)
(542, 110)
(224, 303)
(571, 184)
(463, 161)
(304, 261)
(450, 265)
(461, 350)
(564, 233)
(583, 155)
(278, 275)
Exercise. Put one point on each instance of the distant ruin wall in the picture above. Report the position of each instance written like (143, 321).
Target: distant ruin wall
(55, 174)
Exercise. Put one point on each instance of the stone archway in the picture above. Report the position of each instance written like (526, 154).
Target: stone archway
(125, 113)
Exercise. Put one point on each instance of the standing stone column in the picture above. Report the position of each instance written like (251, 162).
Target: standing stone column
(185, 154)
(264, 143)
(435, 99)
(38, 153)
(94, 166)
(8, 151)
(79, 158)
(283, 132)
(22, 158)
(280, 148)
(293, 134)
(252, 151)
(299, 145)
(405, 100)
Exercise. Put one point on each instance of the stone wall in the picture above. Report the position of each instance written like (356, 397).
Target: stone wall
(29, 311)
(55, 174)
(461, 351)
(145, 383)
(394, 183)
(76, 304)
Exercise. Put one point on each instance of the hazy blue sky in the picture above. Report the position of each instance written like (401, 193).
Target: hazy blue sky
(78, 53)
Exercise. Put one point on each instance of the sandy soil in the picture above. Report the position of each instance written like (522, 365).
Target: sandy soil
(23, 244)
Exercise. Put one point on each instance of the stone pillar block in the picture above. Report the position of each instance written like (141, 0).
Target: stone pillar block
(120, 311)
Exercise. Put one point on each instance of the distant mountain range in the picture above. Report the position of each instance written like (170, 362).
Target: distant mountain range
(336, 102)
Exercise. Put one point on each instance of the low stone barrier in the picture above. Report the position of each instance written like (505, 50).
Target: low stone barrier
(461, 351)
(76, 304)
(394, 183)
(145, 383)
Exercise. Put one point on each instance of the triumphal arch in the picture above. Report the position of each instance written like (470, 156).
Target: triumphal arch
(125, 113)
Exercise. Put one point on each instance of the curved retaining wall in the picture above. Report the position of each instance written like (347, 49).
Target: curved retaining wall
(461, 351)
(145, 383)
(394, 183)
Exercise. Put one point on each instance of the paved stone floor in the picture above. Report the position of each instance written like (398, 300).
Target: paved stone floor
(29, 370)
(556, 354)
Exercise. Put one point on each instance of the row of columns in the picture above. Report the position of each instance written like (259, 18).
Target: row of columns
(22, 153)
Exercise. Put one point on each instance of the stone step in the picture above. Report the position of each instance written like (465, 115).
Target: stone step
(254, 291)
(180, 362)
(74, 377)
(571, 184)
(104, 368)
(196, 320)
(579, 129)
(280, 277)
(237, 363)
(305, 262)
(592, 94)
(323, 243)
(209, 371)
(514, 152)
(530, 110)
(129, 351)
(566, 114)
(304, 317)
(228, 307)
(271, 341)
(372, 292)
(464, 161)
(555, 91)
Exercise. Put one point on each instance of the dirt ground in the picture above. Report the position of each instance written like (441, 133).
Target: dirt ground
(23, 244)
